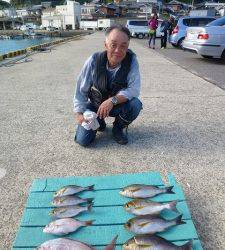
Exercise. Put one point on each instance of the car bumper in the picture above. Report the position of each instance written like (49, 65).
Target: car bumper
(174, 39)
(203, 48)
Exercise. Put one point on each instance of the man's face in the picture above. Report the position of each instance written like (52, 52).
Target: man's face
(116, 45)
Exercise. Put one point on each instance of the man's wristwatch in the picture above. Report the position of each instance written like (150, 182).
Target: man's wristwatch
(114, 100)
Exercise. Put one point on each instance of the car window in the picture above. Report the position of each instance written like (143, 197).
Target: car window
(204, 21)
(138, 23)
(186, 22)
(218, 22)
(195, 22)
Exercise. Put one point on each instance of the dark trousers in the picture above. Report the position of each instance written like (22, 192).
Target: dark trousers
(152, 38)
(164, 39)
(128, 111)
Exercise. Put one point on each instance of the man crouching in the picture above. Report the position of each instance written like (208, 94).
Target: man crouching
(109, 85)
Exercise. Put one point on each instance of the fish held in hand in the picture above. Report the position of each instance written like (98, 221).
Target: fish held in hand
(64, 244)
(144, 191)
(72, 189)
(152, 242)
(69, 200)
(112, 245)
(143, 207)
(69, 211)
(65, 226)
(150, 224)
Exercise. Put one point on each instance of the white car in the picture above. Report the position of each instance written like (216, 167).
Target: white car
(25, 27)
(140, 29)
(208, 41)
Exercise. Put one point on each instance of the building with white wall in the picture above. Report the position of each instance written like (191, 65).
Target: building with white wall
(9, 12)
(87, 10)
(63, 16)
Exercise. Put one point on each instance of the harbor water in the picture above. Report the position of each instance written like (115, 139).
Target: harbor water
(9, 45)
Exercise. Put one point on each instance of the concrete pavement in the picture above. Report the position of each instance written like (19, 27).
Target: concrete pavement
(181, 129)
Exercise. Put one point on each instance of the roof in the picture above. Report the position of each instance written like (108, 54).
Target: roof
(174, 2)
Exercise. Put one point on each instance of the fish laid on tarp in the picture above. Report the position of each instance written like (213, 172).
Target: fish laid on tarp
(65, 226)
(144, 191)
(64, 244)
(152, 242)
(72, 189)
(69, 200)
(69, 211)
(112, 245)
(68, 244)
(150, 224)
(143, 207)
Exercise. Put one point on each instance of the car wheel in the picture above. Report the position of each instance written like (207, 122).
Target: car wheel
(208, 57)
(223, 56)
(140, 36)
(179, 44)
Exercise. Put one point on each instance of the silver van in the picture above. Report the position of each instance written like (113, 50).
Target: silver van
(138, 28)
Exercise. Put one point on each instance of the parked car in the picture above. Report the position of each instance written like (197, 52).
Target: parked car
(208, 41)
(25, 27)
(179, 32)
(49, 28)
(140, 29)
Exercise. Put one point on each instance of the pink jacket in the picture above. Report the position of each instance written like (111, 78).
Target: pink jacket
(153, 24)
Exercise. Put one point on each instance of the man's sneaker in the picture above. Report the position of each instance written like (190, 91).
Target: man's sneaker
(102, 125)
(119, 136)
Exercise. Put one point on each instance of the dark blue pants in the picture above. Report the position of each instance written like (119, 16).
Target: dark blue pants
(128, 111)
(164, 40)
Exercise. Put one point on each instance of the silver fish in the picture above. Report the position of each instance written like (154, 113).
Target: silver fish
(64, 244)
(112, 245)
(69, 200)
(68, 244)
(143, 207)
(150, 224)
(72, 189)
(144, 191)
(69, 211)
(65, 226)
(152, 242)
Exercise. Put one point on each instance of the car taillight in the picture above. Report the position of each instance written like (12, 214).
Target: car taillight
(203, 36)
(175, 30)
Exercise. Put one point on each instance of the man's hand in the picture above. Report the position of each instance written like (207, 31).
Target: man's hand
(104, 109)
(79, 118)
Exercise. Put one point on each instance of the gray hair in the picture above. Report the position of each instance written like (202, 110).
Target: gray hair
(120, 28)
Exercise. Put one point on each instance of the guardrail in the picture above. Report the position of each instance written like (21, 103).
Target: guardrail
(35, 48)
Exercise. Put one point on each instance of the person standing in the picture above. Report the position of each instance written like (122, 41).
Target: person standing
(109, 85)
(153, 25)
(166, 26)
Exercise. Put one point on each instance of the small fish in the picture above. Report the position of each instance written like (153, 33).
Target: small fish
(152, 242)
(150, 224)
(144, 191)
(64, 244)
(69, 211)
(143, 207)
(69, 200)
(65, 226)
(112, 245)
(72, 189)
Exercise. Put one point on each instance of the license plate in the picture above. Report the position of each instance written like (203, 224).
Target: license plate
(190, 36)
